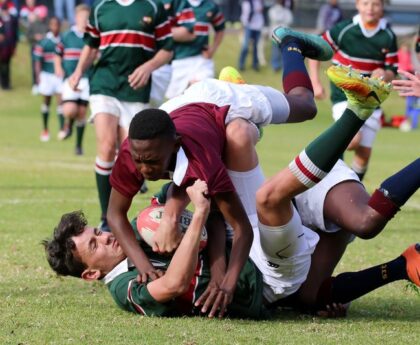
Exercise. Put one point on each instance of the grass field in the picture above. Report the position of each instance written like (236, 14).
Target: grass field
(40, 181)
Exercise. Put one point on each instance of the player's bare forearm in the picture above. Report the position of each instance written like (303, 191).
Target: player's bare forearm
(37, 67)
(182, 34)
(232, 210)
(218, 38)
(216, 249)
(141, 75)
(177, 278)
(121, 228)
(58, 69)
(87, 57)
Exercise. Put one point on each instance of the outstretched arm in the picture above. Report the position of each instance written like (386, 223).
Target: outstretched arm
(121, 228)
(177, 278)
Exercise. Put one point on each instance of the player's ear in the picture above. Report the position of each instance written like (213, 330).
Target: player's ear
(91, 274)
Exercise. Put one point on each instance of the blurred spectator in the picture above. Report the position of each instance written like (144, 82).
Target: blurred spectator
(33, 19)
(290, 4)
(417, 48)
(59, 10)
(253, 22)
(230, 9)
(278, 16)
(329, 14)
(8, 17)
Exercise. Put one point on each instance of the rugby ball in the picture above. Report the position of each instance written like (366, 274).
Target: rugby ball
(149, 219)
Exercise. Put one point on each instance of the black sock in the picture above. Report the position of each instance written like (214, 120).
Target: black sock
(349, 286)
(402, 185)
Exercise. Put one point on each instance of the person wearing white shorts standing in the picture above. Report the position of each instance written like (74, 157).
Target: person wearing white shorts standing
(48, 83)
(67, 55)
(130, 51)
(193, 60)
(181, 16)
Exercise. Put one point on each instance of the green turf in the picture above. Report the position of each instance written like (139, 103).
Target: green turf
(40, 181)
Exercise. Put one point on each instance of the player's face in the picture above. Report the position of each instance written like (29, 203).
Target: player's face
(54, 26)
(82, 20)
(153, 156)
(98, 250)
(371, 11)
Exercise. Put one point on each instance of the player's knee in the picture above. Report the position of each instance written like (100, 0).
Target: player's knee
(106, 151)
(367, 227)
(241, 134)
(267, 198)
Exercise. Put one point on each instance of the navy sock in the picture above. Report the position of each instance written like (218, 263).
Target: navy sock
(349, 286)
(402, 185)
(294, 69)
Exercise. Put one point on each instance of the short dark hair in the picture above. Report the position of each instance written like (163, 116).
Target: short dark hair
(59, 249)
(151, 124)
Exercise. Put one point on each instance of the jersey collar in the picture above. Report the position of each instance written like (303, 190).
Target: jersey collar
(77, 32)
(181, 166)
(121, 268)
(381, 26)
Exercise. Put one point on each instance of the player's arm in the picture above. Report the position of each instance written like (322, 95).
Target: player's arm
(141, 74)
(182, 34)
(87, 57)
(121, 228)
(218, 38)
(58, 67)
(314, 67)
(232, 210)
(216, 249)
(177, 278)
(168, 236)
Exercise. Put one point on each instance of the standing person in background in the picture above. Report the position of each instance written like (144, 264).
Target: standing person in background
(252, 19)
(193, 60)
(368, 44)
(130, 50)
(278, 16)
(48, 83)
(33, 18)
(8, 17)
(59, 10)
(329, 14)
(67, 55)
(181, 16)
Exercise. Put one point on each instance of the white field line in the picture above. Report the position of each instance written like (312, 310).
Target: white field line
(34, 201)
(43, 164)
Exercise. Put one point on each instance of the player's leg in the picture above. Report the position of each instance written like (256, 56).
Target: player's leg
(106, 129)
(349, 286)
(61, 120)
(350, 207)
(45, 112)
(244, 49)
(80, 126)
(294, 47)
(319, 157)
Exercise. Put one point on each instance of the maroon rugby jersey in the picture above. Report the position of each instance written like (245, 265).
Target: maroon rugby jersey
(203, 135)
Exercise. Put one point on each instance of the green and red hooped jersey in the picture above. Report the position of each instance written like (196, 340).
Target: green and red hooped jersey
(207, 16)
(69, 49)
(364, 51)
(179, 13)
(44, 51)
(127, 34)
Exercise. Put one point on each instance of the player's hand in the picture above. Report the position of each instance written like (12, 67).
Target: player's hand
(59, 73)
(378, 73)
(207, 54)
(139, 77)
(408, 87)
(209, 295)
(167, 238)
(74, 80)
(198, 194)
(151, 274)
(334, 310)
(319, 91)
(221, 301)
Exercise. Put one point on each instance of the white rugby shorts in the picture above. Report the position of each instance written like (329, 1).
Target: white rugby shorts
(160, 81)
(187, 70)
(125, 111)
(249, 102)
(81, 94)
(49, 84)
